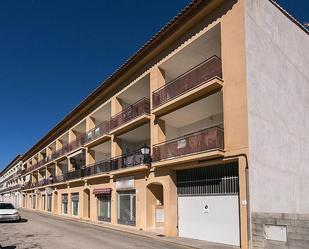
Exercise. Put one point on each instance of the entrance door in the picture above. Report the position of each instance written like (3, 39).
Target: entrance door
(126, 207)
(208, 204)
(104, 207)
(49, 202)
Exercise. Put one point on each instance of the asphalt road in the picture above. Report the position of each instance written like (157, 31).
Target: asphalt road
(47, 232)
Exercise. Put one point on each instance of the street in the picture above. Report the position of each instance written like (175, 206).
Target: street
(43, 231)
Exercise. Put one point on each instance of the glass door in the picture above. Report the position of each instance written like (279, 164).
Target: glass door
(104, 207)
(75, 203)
(65, 203)
(127, 207)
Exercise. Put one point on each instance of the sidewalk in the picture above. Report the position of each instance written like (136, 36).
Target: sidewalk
(190, 243)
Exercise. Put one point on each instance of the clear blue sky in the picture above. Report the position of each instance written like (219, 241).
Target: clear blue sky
(54, 53)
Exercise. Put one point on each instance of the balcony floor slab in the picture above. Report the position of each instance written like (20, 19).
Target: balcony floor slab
(205, 89)
(189, 158)
(131, 125)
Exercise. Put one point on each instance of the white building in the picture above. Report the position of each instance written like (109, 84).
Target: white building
(11, 182)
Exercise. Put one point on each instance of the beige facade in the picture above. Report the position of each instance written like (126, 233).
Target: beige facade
(206, 45)
(184, 95)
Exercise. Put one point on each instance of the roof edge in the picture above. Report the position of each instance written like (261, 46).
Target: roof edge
(169, 28)
(11, 164)
(288, 15)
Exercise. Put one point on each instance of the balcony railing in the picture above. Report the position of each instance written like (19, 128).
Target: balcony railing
(128, 114)
(78, 142)
(17, 186)
(97, 168)
(97, 131)
(124, 161)
(41, 182)
(197, 142)
(127, 160)
(131, 112)
(26, 185)
(191, 79)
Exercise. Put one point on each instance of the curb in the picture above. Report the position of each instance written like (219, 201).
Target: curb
(110, 227)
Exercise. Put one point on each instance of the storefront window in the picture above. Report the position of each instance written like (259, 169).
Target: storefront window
(64, 205)
(75, 202)
(126, 207)
(104, 207)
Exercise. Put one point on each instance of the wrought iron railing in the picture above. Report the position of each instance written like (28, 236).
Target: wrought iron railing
(189, 80)
(105, 166)
(78, 142)
(131, 112)
(17, 186)
(97, 168)
(127, 160)
(205, 140)
(140, 107)
(97, 131)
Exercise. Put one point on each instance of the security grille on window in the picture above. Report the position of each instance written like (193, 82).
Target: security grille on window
(126, 207)
(64, 198)
(75, 203)
(212, 180)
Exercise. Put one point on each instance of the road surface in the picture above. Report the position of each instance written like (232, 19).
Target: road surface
(47, 232)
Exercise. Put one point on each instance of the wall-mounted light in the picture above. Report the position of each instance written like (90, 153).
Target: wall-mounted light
(145, 150)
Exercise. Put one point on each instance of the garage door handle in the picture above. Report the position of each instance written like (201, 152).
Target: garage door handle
(206, 206)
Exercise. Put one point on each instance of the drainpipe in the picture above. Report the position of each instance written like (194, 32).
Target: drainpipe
(247, 195)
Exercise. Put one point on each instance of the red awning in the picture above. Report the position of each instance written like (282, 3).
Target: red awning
(102, 191)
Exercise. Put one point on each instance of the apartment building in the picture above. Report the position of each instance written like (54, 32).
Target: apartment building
(200, 134)
(11, 182)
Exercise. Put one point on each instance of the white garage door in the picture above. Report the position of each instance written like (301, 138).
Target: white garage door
(208, 204)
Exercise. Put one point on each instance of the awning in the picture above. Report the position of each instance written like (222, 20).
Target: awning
(102, 191)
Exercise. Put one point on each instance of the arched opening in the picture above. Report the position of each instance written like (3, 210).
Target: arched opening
(155, 207)
(55, 202)
(86, 203)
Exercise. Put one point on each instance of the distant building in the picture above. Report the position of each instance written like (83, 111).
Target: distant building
(11, 182)
(203, 133)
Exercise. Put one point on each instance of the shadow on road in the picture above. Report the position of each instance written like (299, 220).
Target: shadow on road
(22, 220)
(7, 247)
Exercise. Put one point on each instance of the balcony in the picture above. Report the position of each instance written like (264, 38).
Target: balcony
(17, 186)
(131, 117)
(30, 185)
(197, 145)
(97, 168)
(42, 182)
(59, 153)
(201, 80)
(91, 170)
(98, 134)
(125, 162)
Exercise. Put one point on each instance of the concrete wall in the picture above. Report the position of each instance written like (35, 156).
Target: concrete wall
(278, 106)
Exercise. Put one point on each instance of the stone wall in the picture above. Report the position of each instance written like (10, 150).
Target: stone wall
(297, 227)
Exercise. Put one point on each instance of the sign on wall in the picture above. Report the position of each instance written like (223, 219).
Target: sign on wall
(125, 183)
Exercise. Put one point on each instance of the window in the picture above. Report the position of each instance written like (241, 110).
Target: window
(97, 132)
(126, 207)
(64, 204)
(75, 202)
(104, 207)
